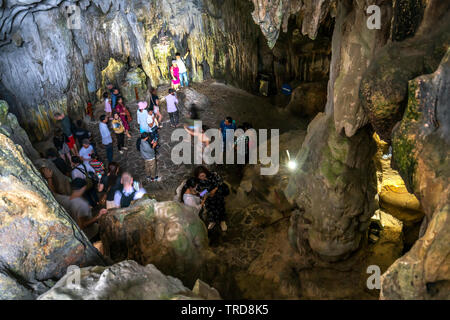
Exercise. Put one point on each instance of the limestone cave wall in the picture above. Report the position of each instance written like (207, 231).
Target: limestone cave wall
(46, 66)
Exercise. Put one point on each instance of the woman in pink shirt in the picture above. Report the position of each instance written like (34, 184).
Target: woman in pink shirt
(175, 73)
(108, 109)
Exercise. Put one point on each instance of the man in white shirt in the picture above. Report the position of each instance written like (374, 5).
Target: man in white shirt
(182, 68)
(86, 151)
(81, 169)
(124, 196)
(106, 137)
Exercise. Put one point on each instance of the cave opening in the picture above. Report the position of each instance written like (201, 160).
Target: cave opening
(104, 110)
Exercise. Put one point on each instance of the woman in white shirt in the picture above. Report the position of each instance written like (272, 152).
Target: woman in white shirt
(189, 195)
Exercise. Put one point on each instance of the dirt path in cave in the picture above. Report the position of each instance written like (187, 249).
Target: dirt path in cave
(224, 101)
(245, 240)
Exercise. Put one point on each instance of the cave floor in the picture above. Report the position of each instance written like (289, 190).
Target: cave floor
(224, 100)
(252, 260)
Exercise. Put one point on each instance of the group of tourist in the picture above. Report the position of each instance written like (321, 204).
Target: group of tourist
(206, 192)
(178, 71)
(95, 188)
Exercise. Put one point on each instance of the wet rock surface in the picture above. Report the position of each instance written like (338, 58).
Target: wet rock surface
(421, 143)
(126, 280)
(334, 186)
(168, 234)
(29, 265)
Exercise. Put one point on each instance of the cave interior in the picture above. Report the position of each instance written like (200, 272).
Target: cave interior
(362, 113)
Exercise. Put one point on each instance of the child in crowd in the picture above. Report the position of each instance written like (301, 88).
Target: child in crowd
(86, 151)
(124, 115)
(97, 165)
(108, 107)
(119, 130)
(152, 124)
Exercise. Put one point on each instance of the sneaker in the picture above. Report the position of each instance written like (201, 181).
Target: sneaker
(223, 226)
(120, 151)
(124, 148)
(211, 225)
(157, 179)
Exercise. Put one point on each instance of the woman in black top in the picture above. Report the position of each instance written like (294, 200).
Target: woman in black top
(215, 193)
(110, 183)
(59, 140)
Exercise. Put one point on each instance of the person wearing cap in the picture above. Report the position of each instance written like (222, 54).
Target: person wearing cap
(142, 116)
(79, 209)
(86, 151)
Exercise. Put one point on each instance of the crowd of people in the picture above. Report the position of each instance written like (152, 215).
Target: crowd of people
(99, 188)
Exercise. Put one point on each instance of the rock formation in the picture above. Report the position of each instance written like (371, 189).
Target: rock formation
(30, 264)
(334, 186)
(131, 44)
(125, 280)
(376, 82)
(10, 127)
(421, 143)
(169, 235)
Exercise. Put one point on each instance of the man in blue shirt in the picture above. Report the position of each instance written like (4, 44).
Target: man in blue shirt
(227, 124)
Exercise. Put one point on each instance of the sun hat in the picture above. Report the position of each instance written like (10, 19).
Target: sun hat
(142, 105)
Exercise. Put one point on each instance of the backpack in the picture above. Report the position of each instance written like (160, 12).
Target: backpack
(125, 201)
(138, 144)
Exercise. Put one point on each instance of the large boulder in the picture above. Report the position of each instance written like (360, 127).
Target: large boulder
(308, 99)
(384, 85)
(60, 181)
(167, 234)
(334, 186)
(190, 98)
(270, 188)
(135, 78)
(10, 127)
(126, 280)
(39, 239)
(420, 152)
